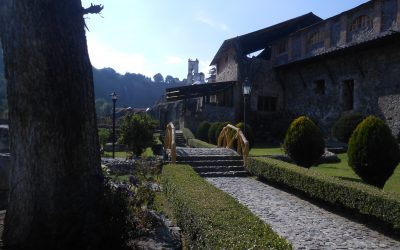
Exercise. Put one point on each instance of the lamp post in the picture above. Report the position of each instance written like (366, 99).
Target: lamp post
(246, 94)
(114, 98)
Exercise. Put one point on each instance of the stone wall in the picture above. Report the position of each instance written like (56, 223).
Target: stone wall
(227, 67)
(337, 31)
(375, 72)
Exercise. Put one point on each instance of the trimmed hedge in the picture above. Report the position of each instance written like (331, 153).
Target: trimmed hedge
(202, 130)
(195, 143)
(304, 142)
(373, 151)
(211, 218)
(212, 132)
(362, 198)
(187, 134)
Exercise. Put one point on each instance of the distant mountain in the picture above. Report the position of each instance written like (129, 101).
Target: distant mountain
(133, 90)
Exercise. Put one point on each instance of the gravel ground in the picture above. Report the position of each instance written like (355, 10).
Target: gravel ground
(305, 225)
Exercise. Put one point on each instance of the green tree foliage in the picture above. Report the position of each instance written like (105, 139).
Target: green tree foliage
(304, 142)
(103, 107)
(373, 151)
(104, 135)
(248, 132)
(202, 131)
(135, 90)
(212, 132)
(137, 132)
(158, 78)
(344, 127)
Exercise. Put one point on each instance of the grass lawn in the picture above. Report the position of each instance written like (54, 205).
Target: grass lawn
(340, 170)
(265, 149)
(118, 154)
(343, 171)
(123, 154)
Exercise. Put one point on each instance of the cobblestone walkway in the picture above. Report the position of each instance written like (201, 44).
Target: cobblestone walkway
(305, 225)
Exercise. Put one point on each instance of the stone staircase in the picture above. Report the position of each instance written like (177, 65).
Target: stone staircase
(212, 162)
(180, 139)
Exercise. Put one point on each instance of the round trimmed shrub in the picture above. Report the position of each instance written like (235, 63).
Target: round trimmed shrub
(211, 132)
(248, 133)
(304, 142)
(219, 129)
(202, 131)
(373, 151)
(345, 125)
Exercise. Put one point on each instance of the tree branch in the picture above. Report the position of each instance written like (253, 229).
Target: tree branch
(93, 9)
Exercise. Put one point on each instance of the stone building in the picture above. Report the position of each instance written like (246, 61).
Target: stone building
(319, 68)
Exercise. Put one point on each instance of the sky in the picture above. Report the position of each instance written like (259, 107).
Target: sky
(159, 36)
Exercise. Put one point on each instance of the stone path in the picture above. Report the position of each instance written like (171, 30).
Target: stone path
(305, 225)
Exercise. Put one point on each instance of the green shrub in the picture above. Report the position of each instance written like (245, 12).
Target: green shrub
(212, 132)
(219, 129)
(137, 132)
(344, 127)
(373, 151)
(357, 197)
(248, 133)
(104, 135)
(212, 219)
(187, 134)
(195, 143)
(202, 131)
(304, 142)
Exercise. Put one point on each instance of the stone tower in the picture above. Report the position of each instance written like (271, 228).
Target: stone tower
(193, 71)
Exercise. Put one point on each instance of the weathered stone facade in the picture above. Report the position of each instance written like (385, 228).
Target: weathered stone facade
(227, 67)
(349, 62)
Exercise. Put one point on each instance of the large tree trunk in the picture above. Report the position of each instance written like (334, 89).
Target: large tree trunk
(56, 180)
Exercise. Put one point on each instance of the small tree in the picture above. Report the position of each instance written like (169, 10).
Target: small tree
(304, 142)
(104, 135)
(137, 132)
(373, 151)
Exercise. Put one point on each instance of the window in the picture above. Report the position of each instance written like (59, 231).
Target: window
(282, 47)
(319, 87)
(213, 99)
(267, 103)
(361, 22)
(348, 94)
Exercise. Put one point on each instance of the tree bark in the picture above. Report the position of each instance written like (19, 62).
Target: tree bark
(56, 179)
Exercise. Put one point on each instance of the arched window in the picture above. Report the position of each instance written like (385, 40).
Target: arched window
(361, 22)
(316, 38)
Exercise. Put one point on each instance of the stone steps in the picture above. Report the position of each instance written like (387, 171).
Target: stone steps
(179, 139)
(217, 162)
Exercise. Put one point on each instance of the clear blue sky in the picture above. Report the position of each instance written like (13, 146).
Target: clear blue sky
(158, 36)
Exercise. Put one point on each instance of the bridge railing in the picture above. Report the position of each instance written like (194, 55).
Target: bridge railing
(229, 135)
(169, 142)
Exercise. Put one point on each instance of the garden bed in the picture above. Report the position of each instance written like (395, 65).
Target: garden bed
(211, 218)
(358, 197)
